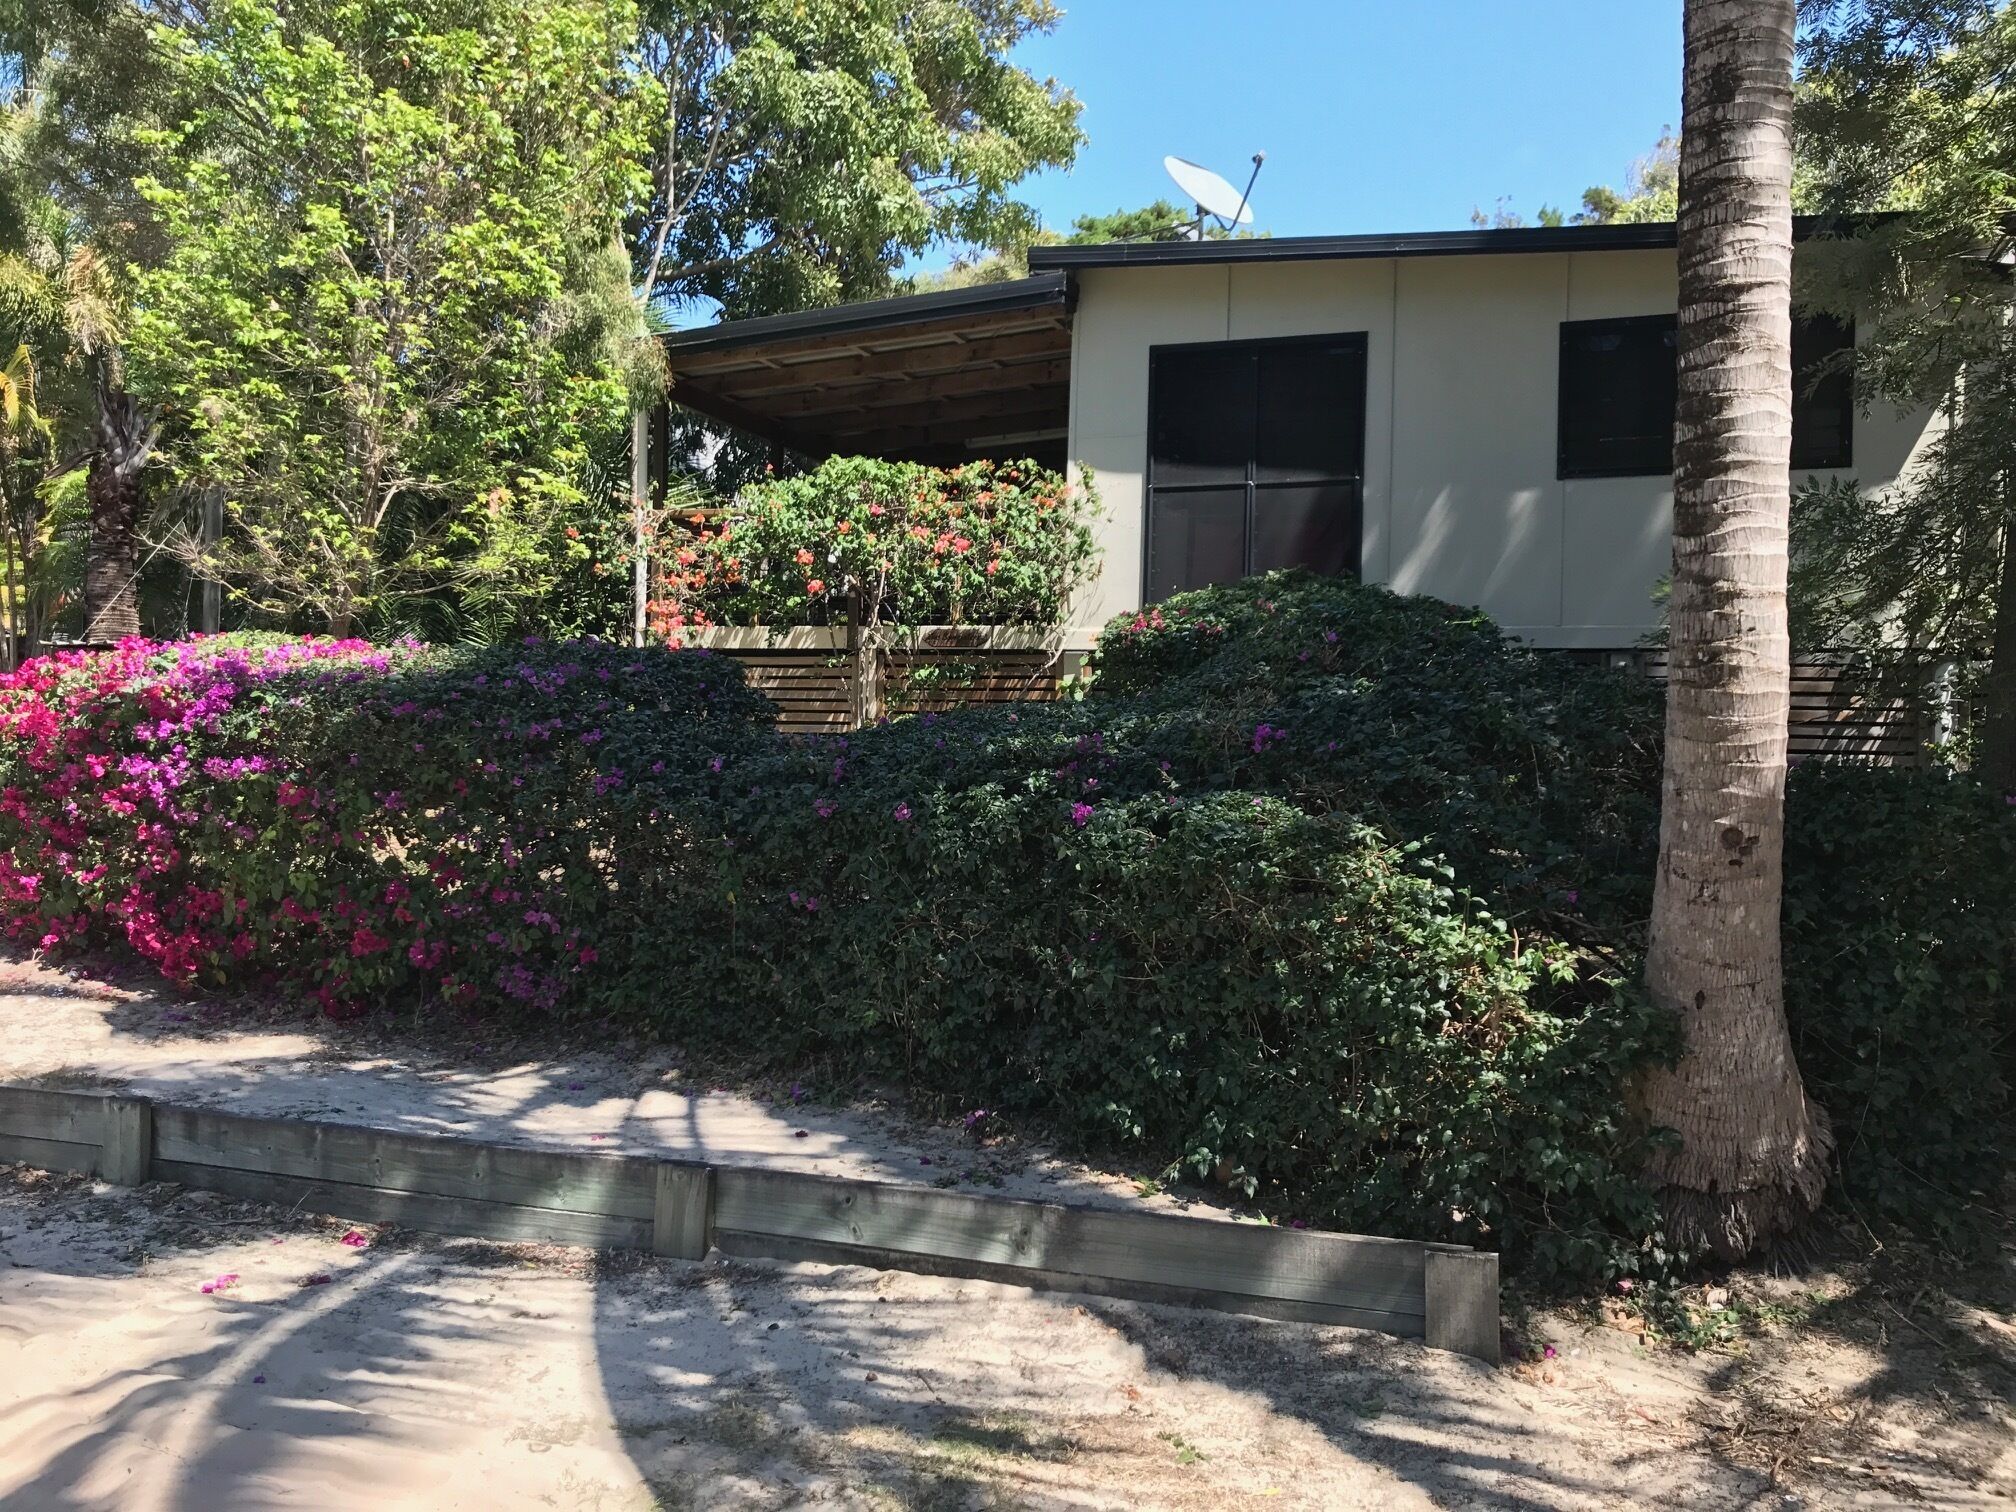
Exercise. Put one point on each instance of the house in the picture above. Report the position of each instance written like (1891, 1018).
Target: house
(1485, 416)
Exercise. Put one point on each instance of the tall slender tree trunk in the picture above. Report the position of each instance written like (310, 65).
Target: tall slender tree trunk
(124, 442)
(1751, 1161)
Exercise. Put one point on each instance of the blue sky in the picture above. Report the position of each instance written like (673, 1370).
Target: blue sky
(1375, 115)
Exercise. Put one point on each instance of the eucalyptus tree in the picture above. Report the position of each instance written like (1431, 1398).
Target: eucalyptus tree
(1907, 105)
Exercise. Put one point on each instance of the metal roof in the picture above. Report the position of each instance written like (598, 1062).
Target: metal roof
(1636, 236)
(907, 309)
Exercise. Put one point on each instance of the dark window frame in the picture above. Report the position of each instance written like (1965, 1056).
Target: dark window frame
(1570, 468)
(1253, 486)
(1806, 455)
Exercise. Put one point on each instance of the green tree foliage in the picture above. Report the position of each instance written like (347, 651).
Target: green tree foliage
(1651, 193)
(88, 84)
(809, 146)
(59, 314)
(390, 313)
(1906, 104)
(1157, 221)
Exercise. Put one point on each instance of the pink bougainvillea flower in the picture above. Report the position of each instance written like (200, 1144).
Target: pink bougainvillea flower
(355, 1239)
(1081, 814)
(901, 813)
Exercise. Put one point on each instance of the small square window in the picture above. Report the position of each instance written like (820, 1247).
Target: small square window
(1618, 386)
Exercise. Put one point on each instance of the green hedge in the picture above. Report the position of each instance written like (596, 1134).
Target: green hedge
(1900, 981)
(1328, 894)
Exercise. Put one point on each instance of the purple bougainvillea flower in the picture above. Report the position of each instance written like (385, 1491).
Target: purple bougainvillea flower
(259, 1380)
(1547, 1353)
(1574, 897)
(1081, 814)
(902, 813)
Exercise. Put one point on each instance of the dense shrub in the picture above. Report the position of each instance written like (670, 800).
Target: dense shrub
(987, 543)
(1041, 910)
(1537, 778)
(1323, 892)
(372, 823)
(1900, 982)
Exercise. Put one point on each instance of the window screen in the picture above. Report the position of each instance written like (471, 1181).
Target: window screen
(1619, 382)
(1255, 459)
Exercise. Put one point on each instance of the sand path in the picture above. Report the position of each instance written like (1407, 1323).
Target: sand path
(69, 1028)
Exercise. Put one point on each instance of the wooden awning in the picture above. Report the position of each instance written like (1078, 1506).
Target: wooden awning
(941, 378)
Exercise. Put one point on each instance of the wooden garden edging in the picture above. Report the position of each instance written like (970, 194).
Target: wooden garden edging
(827, 679)
(1442, 1293)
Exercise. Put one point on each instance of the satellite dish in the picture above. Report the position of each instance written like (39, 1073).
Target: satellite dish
(1212, 195)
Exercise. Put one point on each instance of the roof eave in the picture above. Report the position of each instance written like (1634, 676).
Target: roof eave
(1034, 292)
(1634, 237)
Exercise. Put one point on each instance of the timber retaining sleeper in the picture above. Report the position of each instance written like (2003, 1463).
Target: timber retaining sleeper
(1444, 1294)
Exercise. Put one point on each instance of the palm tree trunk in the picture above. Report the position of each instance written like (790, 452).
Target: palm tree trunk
(1752, 1155)
(125, 440)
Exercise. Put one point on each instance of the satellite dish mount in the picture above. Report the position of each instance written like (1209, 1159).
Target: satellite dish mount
(1214, 198)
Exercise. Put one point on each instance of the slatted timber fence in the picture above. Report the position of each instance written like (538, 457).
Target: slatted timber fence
(1836, 715)
(828, 680)
(1444, 1294)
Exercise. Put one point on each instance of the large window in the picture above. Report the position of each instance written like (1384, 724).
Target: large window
(1256, 459)
(1618, 386)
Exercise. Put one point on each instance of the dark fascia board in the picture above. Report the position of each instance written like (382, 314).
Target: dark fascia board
(910, 309)
(1639, 236)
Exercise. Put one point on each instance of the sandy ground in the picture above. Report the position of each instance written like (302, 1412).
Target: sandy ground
(418, 1373)
(397, 1370)
(78, 1029)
